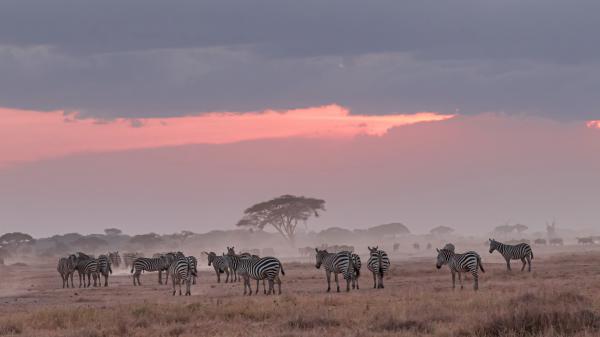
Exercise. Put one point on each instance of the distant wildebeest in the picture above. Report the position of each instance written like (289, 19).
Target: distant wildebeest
(416, 246)
(469, 262)
(539, 241)
(586, 241)
(396, 246)
(521, 251)
(556, 242)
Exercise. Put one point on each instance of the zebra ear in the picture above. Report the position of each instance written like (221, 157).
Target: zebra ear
(438, 250)
(317, 250)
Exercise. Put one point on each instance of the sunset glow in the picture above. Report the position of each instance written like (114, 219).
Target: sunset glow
(32, 135)
(594, 124)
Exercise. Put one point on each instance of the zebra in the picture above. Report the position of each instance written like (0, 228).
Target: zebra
(220, 263)
(104, 267)
(521, 251)
(128, 258)
(194, 263)
(85, 265)
(336, 263)
(170, 257)
(460, 263)
(148, 264)
(265, 268)
(233, 261)
(182, 270)
(66, 269)
(115, 258)
(357, 266)
(378, 264)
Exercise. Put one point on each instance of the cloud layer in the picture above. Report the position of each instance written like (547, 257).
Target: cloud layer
(155, 58)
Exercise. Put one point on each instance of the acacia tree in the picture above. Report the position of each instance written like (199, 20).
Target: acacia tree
(283, 213)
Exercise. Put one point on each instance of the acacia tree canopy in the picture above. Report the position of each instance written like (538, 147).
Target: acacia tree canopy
(283, 213)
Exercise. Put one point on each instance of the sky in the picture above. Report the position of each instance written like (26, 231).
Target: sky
(163, 116)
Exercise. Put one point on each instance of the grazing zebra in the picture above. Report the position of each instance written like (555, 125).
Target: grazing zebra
(357, 266)
(220, 263)
(378, 264)
(148, 264)
(194, 263)
(233, 261)
(265, 268)
(182, 270)
(115, 259)
(104, 268)
(521, 251)
(469, 262)
(66, 269)
(335, 263)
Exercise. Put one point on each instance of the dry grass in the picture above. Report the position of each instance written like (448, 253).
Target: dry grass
(552, 301)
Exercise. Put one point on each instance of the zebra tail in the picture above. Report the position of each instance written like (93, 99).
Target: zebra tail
(532, 254)
(480, 264)
(380, 267)
(131, 272)
(281, 268)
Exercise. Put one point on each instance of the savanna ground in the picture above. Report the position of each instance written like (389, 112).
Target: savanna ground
(560, 297)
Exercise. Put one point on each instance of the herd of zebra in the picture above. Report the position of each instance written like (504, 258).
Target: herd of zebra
(246, 266)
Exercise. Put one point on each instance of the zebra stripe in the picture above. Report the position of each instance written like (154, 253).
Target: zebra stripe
(266, 268)
(469, 262)
(378, 264)
(182, 271)
(104, 268)
(521, 251)
(148, 264)
(66, 269)
(335, 263)
(194, 265)
(357, 266)
(89, 268)
(220, 264)
(233, 262)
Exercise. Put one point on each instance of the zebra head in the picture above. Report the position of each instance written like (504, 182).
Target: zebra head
(319, 257)
(493, 245)
(443, 257)
(373, 250)
(231, 251)
(211, 257)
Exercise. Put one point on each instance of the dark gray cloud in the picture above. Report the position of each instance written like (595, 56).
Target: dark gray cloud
(143, 58)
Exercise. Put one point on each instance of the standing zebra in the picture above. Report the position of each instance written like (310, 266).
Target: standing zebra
(182, 270)
(521, 251)
(194, 265)
(265, 268)
(104, 268)
(378, 264)
(357, 266)
(148, 264)
(336, 263)
(86, 266)
(220, 263)
(66, 269)
(468, 262)
(115, 259)
(128, 258)
(233, 262)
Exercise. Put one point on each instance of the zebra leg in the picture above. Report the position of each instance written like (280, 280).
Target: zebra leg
(72, 285)
(475, 280)
(257, 285)
(337, 282)
(460, 280)
(328, 274)
(264, 287)
(381, 281)
(188, 288)
(173, 282)
(529, 263)
(508, 264)
(524, 263)
(160, 277)
(348, 284)
(271, 287)
(357, 284)
(278, 284)
(453, 280)
(374, 280)
(218, 276)
(227, 273)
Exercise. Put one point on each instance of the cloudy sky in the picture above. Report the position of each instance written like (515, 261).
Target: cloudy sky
(168, 115)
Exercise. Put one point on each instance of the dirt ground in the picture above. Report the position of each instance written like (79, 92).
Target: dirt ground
(561, 297)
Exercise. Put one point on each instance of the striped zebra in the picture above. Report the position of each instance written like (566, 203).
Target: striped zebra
(87, 267)
(357, 266)
(182, 270)
(220, 263)
(104, 268)
(233, 262)
(336, 263)
(148, 264)
(66, 269)
(521, 251)
(469, 262)
(194, 263)
(265, 268)
(378, 264)
(170, 257)
(115, 259)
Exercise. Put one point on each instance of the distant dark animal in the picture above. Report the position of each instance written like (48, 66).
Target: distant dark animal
(586, 241)
(378, 264)
(539, 241)
(556, 242)
(469, 262)
(521, 251)
(429, 246)
(416, 246)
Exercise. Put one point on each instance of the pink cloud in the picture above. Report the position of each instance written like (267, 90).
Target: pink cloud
(32, 135)
(594, 124)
